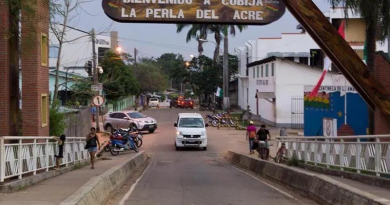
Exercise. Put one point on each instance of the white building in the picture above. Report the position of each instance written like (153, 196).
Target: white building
(77, 49)
(293, 60)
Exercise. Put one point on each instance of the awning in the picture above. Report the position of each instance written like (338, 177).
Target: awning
(265, 95)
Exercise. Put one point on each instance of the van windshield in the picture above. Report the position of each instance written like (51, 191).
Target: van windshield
(153, 99)
(191, 122)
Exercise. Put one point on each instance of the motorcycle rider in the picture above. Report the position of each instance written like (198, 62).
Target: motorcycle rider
(263, 135)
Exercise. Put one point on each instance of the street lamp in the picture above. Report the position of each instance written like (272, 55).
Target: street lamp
(100, 70)
(119, 49)
(192, 56)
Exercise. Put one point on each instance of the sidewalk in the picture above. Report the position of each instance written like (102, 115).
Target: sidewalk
(55, 190)
(241, 146)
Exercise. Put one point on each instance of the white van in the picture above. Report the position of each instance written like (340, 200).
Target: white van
(190, 131)
(153, 102)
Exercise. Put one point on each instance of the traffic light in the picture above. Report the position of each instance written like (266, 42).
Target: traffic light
(88, 67)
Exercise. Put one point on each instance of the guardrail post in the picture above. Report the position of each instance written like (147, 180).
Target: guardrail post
(316, 151)
(47, 154)
(20, 160)
(2, 160)
(342, 147)
(327, 150)
(35, 155)
(377, 156)
(358, 155)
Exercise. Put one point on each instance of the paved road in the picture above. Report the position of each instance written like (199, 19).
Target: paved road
(194, 177)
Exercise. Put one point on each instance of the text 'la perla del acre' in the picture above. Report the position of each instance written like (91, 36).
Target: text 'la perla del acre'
(200, 13)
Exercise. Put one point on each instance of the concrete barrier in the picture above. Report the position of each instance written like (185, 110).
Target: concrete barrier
(100, 188)
(321, 189)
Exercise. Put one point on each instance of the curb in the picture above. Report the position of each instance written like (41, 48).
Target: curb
(98, 189)
(321, 189)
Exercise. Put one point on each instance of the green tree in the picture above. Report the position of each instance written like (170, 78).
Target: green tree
(150, 77)
(376, 15)
(118, 80)
(57, 120)
(224, 30)
(196, 31)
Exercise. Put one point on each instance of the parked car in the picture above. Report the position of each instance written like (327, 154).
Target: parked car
(190, 131)
(153, 102)
(129, 118)
(186, 104)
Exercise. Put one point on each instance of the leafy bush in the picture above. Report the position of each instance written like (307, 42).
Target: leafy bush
(293, 161)
(162, 98)
(57, 120)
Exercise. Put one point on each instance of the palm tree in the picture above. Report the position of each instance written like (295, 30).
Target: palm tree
(376, 15)
(218, 30)
(197, 31)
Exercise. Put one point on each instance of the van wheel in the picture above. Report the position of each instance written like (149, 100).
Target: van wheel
(205, 148)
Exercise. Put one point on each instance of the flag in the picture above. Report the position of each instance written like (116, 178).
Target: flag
(327, 64)
(219, 92)
(342, 29)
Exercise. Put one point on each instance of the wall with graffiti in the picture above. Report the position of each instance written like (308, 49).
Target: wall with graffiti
(330, 103)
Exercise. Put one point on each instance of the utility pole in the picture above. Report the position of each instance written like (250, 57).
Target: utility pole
(95, 76)
(225, 73)
(388, 43)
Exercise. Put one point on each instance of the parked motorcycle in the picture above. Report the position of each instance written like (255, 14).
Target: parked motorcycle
(119, 133)
(122, 140)
(218, 118)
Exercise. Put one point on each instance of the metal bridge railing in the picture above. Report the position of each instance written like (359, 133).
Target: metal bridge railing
(369, 153)
(23, 155)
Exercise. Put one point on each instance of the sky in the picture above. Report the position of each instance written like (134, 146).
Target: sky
(156, 39)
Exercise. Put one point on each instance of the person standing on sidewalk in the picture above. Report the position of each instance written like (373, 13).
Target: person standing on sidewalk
(93, 112)
(92, 145)
(60, 150)
(251, 135)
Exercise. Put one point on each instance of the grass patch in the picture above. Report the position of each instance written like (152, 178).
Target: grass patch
(293, 161)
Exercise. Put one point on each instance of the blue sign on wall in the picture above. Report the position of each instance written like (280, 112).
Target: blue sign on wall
(330, 103)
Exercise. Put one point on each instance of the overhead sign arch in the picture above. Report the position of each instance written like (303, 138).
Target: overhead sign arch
(249, 12)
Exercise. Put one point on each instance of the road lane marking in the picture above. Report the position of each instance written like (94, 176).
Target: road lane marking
(273, 187)
(128, 194)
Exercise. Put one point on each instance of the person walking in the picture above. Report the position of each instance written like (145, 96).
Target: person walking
(251, 136)
(93, 112)
(92, 145)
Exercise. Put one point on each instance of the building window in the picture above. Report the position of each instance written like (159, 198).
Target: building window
(254, 72)
(44, 50)
(44, 109)
(53, 51)
(273, 69)
(317, 58)
(262, 68)
(266, 70)
(258, 71)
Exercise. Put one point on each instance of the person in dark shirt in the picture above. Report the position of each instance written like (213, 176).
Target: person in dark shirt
(92, 145)
(60, 150)
(264, 135)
